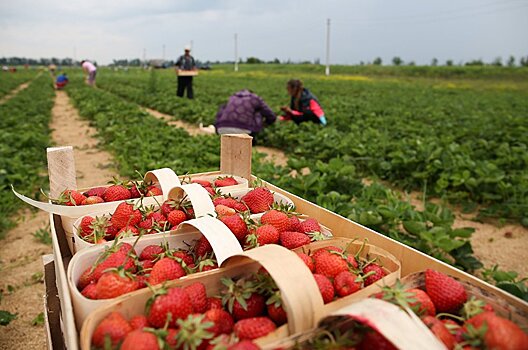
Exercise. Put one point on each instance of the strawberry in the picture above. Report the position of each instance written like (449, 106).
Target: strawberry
(475, 306)
(277, 219)
(214, 303)
(134, 189)
(125, 215)
(376, 273)
(141, 281)
(153, 191)
(346, 283)
(240, 299)
(86, 225)
(231, 203)
(244, 345)
(111, 231)
(170, 339)
(422, 302)
(307, 260)
(325, 287)
(116, 193)
(145, 266)
(190, 213)
(277, 314)
(194, 333)
(176, 217)
(173, 301)
(330, 263)
(447, 294)
(113, 284)
(198, 296)
(114, 327)
(440, 331)
(222, 321)
(165, 269)
(90, 291)
(140, 340)
(202, 247)
(127, 231)
(92, 200)
(237, 225)
(138, 322)
(326, 249)
(223, 210)
(294, 224)
(374, 340)
(310, 225)
(253, 328)
(258, 200)
(225, 181)
(95, 192)
(262, 235)
(184, 256)
(168, 206)
(71, 198)
(495, 332)
(210, 190)
(292, 240)
(203, 183)
(151, 252)
(206, 263)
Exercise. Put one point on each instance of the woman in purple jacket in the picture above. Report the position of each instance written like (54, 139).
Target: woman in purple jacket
(244, 113)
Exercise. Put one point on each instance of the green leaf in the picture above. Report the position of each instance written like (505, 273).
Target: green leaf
(414, 227)
(38, 320)
(6, 317)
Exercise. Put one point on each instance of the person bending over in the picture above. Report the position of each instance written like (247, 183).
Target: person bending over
(304, 106)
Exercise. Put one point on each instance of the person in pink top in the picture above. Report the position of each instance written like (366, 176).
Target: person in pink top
(91, 70)
(304, 106)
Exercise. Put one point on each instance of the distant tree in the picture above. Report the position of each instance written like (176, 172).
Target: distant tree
(449, 62)
(397, 61)
(523, 61)
(434, 62)
(411, 63)
(475, 63)
(254, 60)
(317, 61)
(497, 62)
(511, 61)
(361, 63)
(377, 61)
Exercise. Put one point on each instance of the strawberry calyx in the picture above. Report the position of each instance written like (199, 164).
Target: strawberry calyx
(193, 331)
(473, 307)
(239, 291)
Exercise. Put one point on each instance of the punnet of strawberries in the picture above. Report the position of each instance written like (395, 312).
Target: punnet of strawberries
(459, 320)
(190, 318)
(117, 191)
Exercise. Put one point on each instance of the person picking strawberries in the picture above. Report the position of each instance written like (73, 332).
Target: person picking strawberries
(304, 106)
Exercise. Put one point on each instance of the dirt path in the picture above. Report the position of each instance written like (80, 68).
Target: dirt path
(14, 92)
(273, 155)
(20, 254)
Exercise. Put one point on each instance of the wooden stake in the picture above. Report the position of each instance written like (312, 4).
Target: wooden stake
(235, 155)
(61, 169)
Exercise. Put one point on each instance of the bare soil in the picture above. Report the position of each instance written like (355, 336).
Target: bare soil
(21, 255)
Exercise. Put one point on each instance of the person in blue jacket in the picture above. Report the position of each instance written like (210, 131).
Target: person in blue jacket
(61, 81)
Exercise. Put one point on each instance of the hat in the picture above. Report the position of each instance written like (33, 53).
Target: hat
(187, 48)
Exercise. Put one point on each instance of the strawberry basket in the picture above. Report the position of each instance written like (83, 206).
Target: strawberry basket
(222, 182)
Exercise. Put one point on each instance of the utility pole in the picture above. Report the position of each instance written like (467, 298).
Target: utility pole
(236, 52)
(192, 44)
(163, 52)
(327, 70)
(74, 55)
(144, 56)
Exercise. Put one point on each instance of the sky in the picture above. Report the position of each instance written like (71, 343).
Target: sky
(360, 30)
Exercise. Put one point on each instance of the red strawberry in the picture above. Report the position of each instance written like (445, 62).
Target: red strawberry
(206, 264)
(172, 301)
(374, 340)
(125, 215)
(170, 339)
(145, 266)
(140, 340)
(240, 300)
(92, 200)
(244, 345)
(222, 320)
(231, 203)
(111, 231)
(330, 263)
(113, 326)
(139, 322)
(204, 183)
(71, 198)
(141, 281)
(447, 294)
(113, 284)
(153, 191)
(310, 225)
(262, 235)
(277, 314)
(253, 328)
(198, 296)
(86, 225)
(127, 231)
(90, 291)
(277, 219)
(223, 210)
(168, 206)
(202, 247)
(210, 190)
(165, 269)
(326, 249)
(422, 302)
(116, 193)
(378, 273)
(325, 287)
(255, 306)
(258, 200)
(292, 240)
(184, 256)
(176, 217)
(346, 283)
(134, 190)
(237, 225)
(95, 192)
(294, 224)
(475, 306)
(214, 303)
(440, 331)
(225, 181)
(499, 333)
(151, 252)
(307, 260)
